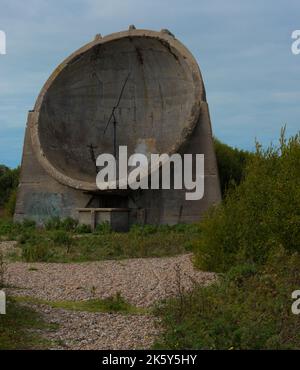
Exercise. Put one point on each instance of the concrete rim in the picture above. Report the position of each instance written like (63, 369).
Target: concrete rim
(187, 129)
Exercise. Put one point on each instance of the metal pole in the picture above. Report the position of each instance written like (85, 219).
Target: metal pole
(115, 137)
(115, 146)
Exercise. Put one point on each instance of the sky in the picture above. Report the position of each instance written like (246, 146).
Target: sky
(243, 49)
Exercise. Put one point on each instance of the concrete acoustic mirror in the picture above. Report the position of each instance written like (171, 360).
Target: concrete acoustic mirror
(155, 85)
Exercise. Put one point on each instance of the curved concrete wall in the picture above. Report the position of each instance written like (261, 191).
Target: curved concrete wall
(158, 111)
(163, 109)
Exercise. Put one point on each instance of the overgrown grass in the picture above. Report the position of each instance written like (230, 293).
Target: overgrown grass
(19, 328)
(111, 305)
(250, 308)
(10, 230)
(62, 242)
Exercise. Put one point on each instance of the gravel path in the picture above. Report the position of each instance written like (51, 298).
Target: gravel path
(94, 331)
(142, 282)
(8, 247)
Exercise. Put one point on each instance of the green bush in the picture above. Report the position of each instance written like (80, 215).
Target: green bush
(103, 228)
(10, 205)
(116, 303)
(231, 164)
(249, 308)
(69, 224)
(10, 230)
(53, 223)
(60, 237)
(9, 180)
(240, 273)
(6, 227)
(41, 246)
(66, 224)
(260, 214)
(36, 253)
(28, 224)
(83, 229)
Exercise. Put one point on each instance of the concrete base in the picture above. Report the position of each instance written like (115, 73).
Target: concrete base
(117, 218)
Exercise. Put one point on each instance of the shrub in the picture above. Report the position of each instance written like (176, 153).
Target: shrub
(14, 230)
(27, 237)
(260, 214)
(69, 224)
(240, 273)
(10, 205)
(9, 180)
(231, 164)
(53, 223)
(83, 229)
(36, 253)
(116, 303)
(66, 224)
(103, 228)
(249, 308)
(28, 224)
(6, 227)
(61, 238)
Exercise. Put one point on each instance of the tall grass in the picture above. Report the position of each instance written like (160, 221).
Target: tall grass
(66, 241)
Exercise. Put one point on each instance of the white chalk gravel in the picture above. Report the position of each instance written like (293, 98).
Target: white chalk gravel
(141, 282)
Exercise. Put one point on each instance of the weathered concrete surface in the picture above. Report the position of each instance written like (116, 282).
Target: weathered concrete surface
(118, 218)
(163, 110)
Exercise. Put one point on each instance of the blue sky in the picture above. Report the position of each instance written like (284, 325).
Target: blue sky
(243, 49)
